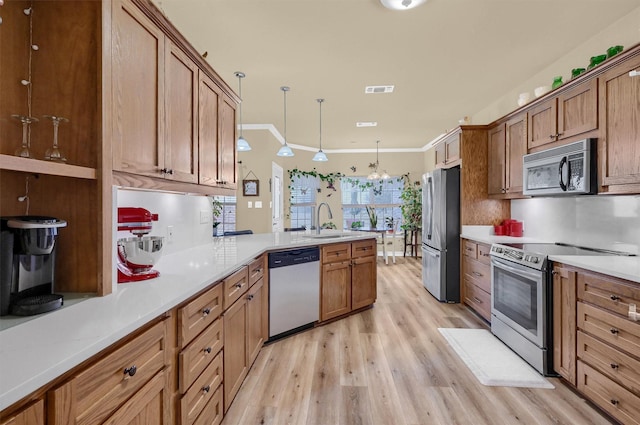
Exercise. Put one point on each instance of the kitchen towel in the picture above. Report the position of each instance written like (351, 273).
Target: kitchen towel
(492, 362)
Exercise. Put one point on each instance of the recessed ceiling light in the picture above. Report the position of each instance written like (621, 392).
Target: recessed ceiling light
(366, 124)
(378, 89)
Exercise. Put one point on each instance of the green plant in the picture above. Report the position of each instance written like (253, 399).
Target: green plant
(389, 221)
(356, 225)
(328, 225)
(411, 207)
(216, 210)
(373, 217)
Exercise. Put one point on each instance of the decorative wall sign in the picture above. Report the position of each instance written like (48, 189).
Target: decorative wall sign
(250, 187)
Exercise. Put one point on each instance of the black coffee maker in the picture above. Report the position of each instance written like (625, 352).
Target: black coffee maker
(27, 264)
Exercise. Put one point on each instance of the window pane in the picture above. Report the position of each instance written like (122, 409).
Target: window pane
(383, 195)
(227, 217)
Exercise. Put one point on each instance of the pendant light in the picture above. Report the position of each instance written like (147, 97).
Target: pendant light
(242, 145)
(285, 150)
(374, 174)
(320, 156)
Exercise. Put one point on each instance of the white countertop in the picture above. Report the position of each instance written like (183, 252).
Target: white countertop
(618, 266)
(36, 352)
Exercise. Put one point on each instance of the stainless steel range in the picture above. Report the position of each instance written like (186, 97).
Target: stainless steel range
(521, 301)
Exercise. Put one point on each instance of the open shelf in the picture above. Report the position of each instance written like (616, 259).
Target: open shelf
(29, 165)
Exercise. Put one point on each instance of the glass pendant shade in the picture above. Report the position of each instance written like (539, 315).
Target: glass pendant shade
(320, 157)
(373, 176)
(385, 175)
(242, 145)
(285, 150)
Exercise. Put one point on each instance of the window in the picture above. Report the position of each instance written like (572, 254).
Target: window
(382, 195)
(227, 217)
(303, 200)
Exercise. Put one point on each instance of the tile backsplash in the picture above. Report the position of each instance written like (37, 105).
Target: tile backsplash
(609, 222)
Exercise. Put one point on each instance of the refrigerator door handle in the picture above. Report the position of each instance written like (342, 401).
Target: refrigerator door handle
(433, 254)
(430, 202)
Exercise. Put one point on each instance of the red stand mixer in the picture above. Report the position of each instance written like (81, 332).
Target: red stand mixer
(137, 255)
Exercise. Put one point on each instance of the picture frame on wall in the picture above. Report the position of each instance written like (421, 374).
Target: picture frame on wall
(250, 187)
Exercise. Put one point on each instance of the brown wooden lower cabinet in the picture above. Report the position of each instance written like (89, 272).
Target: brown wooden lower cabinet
(30, 415)
(148, 406)
(236, 352)
(475, 279)
(564, 322)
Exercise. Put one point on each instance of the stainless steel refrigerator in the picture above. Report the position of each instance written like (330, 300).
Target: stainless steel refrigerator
(441, 233)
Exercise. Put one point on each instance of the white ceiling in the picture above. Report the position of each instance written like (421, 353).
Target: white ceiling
(446, 58)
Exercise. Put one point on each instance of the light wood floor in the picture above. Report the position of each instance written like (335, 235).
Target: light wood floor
(389, 365)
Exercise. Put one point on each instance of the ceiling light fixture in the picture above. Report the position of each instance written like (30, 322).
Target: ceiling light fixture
(402, 4)
(374, 166)
(320, 156)
(242, 144)
(285, 150)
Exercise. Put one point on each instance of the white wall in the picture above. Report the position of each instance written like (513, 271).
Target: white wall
(609, 222)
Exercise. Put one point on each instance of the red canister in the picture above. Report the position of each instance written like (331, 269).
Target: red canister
(499, 230)
(515, 228)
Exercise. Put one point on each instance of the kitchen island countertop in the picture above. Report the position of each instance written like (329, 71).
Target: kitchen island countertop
(36, 352)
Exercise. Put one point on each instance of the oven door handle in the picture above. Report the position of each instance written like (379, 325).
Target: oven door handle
(523, 271)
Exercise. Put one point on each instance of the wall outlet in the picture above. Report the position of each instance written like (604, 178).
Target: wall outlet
(169, 233)
(204, 216)
(249, 204)
(258, 204)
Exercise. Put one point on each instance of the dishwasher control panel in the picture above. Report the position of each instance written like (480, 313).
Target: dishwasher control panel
(293, 256)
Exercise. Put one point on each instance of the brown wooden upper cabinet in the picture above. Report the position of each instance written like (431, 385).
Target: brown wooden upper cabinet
(448, 151)
(571, 113)
(179, 125)
(507, 145)
(619, 145)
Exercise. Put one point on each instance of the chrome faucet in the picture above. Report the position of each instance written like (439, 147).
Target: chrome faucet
(318, 226)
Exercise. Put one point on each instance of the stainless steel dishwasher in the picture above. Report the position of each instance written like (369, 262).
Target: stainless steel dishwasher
(294, 290)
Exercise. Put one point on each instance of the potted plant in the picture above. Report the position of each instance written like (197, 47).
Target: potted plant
(216, 210)
(328, 225)
(356, 225)
(411, 207)
(389, 221)
(373, 217)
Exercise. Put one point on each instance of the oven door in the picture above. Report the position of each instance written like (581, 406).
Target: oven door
(517, 298)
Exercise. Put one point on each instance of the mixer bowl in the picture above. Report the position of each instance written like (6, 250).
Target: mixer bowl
(139, 254)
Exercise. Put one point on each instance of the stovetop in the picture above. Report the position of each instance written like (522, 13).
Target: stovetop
(535, 254)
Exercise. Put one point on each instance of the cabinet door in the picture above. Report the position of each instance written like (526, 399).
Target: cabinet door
(516, 132)
(578, 109)
(496, 160)
(619, 146)
(363, 282)
(335, 290)
(149, 406)
(181, 106)
(542, 127)
(236, 355)
(227, 143)
(441, 155)
(255, 326)
(138, 92)
(208, 98)
(564, 323)
(453, 149)
(32, 415)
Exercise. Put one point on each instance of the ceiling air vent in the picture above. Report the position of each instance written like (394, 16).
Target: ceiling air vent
(366, 124)
(378, 89)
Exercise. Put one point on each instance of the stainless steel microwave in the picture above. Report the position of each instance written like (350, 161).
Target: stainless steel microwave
(566, 170)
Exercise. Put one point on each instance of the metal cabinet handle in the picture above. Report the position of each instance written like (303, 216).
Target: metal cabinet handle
(484, 254)
(238, 285)
(206, 389)
(615, 402)
(478, 300)
(614, 330)
(614, 366)
(166, 171)
(615, 298)
(469, 249)
(250, 297)
(477, 274)
(131, 370)
(206, 311)
(207, 350)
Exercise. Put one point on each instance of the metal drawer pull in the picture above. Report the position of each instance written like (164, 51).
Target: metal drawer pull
(478, 300)
(250, 297)
(131, 370)
(614, 330)
(477, 274)
(206, 311)
(484, 254)
(238, 285)
(614, 365)
(614, 298)
(206, 389)
(615, 402)
(207, 350)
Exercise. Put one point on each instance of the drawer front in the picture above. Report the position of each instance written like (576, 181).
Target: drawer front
(470, 249)
(363, 248)
(477, 299)
(234, 286)
(610, 293)
(197, 356)
(102, 387)
(484, 253)
(479, 272)
(617, 401)
(609, 361)
(336, 252)
(213, 412)
(194, 317)
(256, 270)
(619, 332)
(202, 391)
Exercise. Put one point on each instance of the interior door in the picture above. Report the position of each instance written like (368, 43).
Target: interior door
(277, 200)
